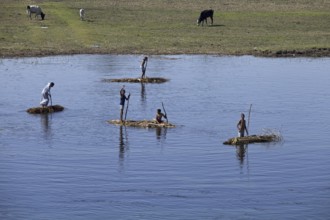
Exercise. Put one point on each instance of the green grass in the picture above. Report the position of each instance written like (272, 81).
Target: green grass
(164, 27)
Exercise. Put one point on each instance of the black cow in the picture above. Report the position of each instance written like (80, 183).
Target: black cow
(204, 15)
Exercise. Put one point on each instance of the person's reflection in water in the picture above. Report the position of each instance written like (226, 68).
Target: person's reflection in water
(161, 133)
(45, 124)
(123, 143)
(143, 94)
(240, 153)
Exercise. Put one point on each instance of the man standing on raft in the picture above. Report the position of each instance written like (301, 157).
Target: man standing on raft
(46, 94)
(241, 126)
(144, 67)
(122, 102)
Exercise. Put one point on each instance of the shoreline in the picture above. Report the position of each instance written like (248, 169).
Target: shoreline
(308, 53)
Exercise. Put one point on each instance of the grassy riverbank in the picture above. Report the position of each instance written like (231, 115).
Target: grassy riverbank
(265, 28)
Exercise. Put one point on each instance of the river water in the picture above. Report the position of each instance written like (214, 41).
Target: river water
(74, 165)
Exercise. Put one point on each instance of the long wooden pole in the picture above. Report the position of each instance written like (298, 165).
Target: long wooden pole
(129, 95)
(249, 116)
(165, 112)
(246, 148)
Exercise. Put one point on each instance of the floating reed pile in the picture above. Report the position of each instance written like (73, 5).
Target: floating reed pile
(253, 139)
(142, 124)
(45, 110)
(138, 80)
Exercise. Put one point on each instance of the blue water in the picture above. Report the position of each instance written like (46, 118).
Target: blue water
(75, 165)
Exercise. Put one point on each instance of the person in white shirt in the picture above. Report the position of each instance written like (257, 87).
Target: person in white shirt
(46, 94)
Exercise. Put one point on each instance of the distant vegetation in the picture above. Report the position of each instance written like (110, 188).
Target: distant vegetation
(265, 28)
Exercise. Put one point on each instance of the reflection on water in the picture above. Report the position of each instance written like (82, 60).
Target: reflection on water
(143, 92)
(192, 174)
(123, 147)
(161, 133)
(240, 153)
(44, 118)
(46, 121)
(123, 142)
(143, 95)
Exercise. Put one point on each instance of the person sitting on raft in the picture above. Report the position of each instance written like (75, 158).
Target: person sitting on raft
(46, 94)
(241, 126)
(159, 116)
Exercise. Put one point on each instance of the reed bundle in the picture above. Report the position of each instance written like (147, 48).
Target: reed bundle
(138, 80)
(45, 110)
(142, 123)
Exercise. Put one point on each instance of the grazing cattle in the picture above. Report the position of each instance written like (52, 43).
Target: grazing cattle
(204, 15)
(35, 9)
(82, 14)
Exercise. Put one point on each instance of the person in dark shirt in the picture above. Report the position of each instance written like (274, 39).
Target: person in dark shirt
(241, 126)
(159, 116)
(122, 102)
(144, 67)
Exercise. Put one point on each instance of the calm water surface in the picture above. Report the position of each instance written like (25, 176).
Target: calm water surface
(74, 165)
